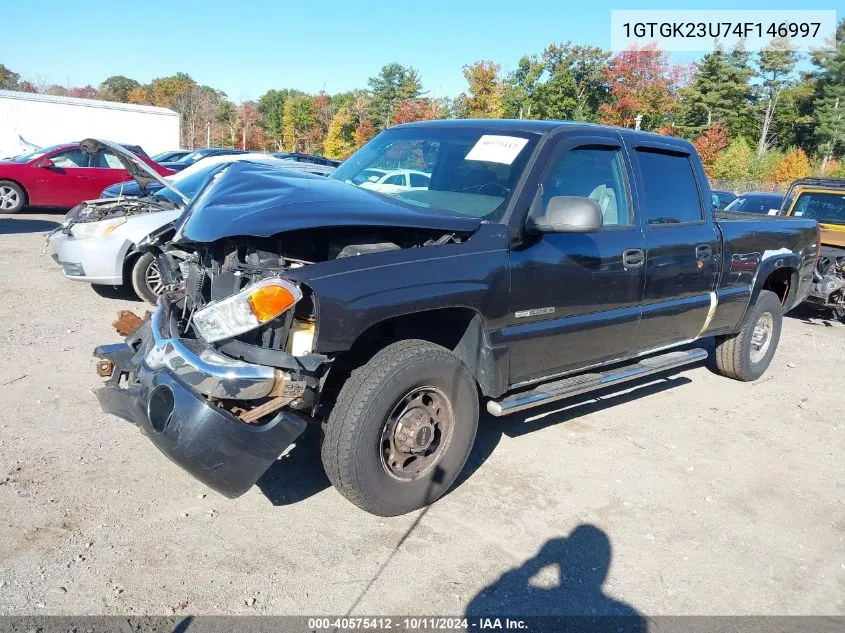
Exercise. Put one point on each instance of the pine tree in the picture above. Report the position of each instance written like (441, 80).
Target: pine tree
(719, 93)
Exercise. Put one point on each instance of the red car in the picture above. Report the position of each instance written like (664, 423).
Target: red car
(60, 176)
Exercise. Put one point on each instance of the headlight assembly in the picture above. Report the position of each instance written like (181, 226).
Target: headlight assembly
(252, 307)
(85, 230)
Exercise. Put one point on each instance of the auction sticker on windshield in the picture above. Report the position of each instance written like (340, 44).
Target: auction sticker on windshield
(492, 148)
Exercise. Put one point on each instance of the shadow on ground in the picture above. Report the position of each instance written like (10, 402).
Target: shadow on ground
(299, 474)
(813, 316)
(12, 226)
(122, 293)
(564, 578)
(491, 429)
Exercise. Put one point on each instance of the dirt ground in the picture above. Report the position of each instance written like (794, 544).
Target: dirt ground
(695, 494)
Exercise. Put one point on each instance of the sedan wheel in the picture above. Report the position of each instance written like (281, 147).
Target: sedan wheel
(12, 198)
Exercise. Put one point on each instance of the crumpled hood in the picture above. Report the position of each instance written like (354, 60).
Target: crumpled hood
(258, 200)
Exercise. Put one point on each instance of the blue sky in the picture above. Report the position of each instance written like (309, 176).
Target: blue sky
(246, 47)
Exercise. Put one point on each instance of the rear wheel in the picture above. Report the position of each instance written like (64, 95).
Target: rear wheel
(402, 428)
(12, 197)
(747, 354)
(146, 278)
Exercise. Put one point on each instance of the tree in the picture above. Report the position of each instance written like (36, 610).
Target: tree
(339, 138)
(393, 84)
(518, 98)
(117, 88)
(484, 100)
(829, 104)
(410, 110)
(775, 63)
(585, 66)
(271, 106)
(363, 133)
(296, 121)
(227, 116)
(84, 92)
(9, 80)
(720, 92)
(792, 166)
(643, 82)
(735, 163)
(164, 90)
(197, 107)
(710, 145)
(138, 95)
(247, 121)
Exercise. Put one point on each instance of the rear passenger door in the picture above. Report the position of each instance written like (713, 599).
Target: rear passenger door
(683, 245)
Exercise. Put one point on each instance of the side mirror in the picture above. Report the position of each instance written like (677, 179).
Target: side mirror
(568, 214)
(46, 163)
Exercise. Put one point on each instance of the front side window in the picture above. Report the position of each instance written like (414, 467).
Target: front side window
(593, 172)
(670, 193)
(471, 171)
(70, 158)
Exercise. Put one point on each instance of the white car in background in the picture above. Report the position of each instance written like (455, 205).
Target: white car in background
(98, 241)
(393, 180)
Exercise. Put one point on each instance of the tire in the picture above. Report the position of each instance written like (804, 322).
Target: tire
(12, 197)
(142, 277)
(744, 356)
(362, 443)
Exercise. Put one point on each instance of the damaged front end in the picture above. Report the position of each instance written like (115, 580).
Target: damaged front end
(226, 373)
(828, 289)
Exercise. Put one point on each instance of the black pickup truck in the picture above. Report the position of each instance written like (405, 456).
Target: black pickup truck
(446, 265)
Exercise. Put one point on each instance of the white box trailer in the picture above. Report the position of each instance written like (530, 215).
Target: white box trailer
(28, 119)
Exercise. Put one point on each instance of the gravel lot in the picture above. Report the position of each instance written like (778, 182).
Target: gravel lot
(715, 497)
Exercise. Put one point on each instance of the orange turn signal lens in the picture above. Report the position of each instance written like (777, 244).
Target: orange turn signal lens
(270, 301)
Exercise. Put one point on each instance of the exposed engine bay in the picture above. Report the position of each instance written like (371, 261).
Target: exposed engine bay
(207, 275)
(96, 210)
(829, 280)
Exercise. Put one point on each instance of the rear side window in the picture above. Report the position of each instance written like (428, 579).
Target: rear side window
(669, 189)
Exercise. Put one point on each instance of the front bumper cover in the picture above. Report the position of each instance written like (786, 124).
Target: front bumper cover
(223, 452)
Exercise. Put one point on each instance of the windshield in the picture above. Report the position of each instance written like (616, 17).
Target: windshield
(469, 171)
(827, 208)
(755, 204)
(191, 158)
(35, 155)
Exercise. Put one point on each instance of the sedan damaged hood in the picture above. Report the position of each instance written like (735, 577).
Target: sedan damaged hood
(257, 200)
(141, 173)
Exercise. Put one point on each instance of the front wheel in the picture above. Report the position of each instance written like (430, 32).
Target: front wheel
(402, 428)
(146, 278)
(12, 197)
(747, 354)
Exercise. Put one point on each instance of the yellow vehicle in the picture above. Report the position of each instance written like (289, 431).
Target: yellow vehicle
(823, 199)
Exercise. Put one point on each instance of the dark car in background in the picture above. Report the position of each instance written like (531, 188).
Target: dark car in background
(171, 156)
(721, 199)
(756, 202)
(308, 158)
(198, 154)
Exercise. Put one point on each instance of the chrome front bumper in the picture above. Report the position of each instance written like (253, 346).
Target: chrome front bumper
(205, 369)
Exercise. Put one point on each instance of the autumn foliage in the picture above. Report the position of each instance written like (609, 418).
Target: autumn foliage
(643, 82)
(710, 145)
(795, 164)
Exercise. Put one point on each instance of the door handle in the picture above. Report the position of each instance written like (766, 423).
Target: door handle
(633, 258)
(703, 251)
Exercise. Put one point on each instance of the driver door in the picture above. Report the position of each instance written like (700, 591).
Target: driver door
(575, 297)
(69, 181)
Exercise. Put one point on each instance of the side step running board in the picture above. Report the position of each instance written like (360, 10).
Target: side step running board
(559, 389)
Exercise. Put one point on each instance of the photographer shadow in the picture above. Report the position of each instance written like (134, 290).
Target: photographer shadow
(574, 601)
